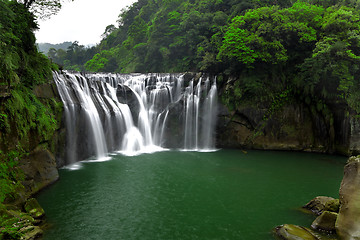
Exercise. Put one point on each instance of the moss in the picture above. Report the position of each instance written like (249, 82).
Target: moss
(4, 123)
(29, 114)
(332, 205)
(10, 175)
(33, 208)
(14, 224)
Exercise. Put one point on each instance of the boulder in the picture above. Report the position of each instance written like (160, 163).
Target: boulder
(347, 224)
(33, 208)
(293, 232)
(325, 222)
(320, 204)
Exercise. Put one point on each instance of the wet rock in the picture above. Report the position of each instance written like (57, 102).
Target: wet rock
(126, 96)
(325, 222)
(33, 208)
(347, 224)
(293, 232)
(40, 170)
(46, 91)
(31, 232)
(318, 204)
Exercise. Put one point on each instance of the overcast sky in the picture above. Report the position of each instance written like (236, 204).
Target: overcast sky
(82, 20)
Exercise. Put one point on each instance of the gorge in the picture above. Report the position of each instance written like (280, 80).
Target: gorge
(287, 78)
(117, 117)
(122, 117)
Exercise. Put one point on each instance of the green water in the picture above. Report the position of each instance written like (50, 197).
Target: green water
(227, 194)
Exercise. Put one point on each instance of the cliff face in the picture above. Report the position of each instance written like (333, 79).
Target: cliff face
(293, 127)
(40, 166)
(33, 133)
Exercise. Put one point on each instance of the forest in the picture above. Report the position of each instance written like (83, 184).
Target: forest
(306, 50)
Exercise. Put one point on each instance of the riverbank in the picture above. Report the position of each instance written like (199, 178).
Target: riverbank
(336, 218)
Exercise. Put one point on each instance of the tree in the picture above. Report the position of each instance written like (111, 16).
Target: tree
(108, 30)
(42, 8)
(268, 34)
(52, 54)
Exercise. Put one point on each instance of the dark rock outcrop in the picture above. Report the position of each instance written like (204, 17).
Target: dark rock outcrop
(40, 170)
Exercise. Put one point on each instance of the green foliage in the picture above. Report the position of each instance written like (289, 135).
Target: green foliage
(74, 58)
(30, 115)
(24, 119)
(311, 47)
(269, 34)
(308, 48)
(10, 175)
(20, 59)
(4, 123)
(14, 224)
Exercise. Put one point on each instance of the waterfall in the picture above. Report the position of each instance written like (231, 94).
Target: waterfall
(136, 113)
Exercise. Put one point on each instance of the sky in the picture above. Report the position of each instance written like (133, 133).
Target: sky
(81, 20)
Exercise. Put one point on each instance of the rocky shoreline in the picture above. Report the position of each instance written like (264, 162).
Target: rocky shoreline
(336, 218)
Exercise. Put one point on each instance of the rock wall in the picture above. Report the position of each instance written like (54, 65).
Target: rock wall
(40, 166)
(38, 148)
(293, 127)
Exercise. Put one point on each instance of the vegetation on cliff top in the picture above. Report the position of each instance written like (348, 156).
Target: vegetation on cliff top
(308, 50)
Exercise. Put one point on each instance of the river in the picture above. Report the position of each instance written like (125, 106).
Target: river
(228, 194)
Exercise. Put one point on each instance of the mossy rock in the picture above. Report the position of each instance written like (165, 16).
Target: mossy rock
(21, 216)
(325, 222)
(293, 232)
(31, 233)
(33, 208)
(332, 205)
(353, 159)
(318, 204)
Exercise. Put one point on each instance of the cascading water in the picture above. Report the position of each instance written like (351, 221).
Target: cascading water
(136, 113)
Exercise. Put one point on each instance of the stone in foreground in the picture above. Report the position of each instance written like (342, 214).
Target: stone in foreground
(318, 204)
(293, 232)
(325, 222)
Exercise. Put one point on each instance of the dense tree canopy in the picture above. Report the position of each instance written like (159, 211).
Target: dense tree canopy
(316, 49)
(19, 56)
(308, 49)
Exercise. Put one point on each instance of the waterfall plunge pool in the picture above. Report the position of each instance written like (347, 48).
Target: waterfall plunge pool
(228, 194)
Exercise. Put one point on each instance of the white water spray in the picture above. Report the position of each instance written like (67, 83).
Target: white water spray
(136, 113)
